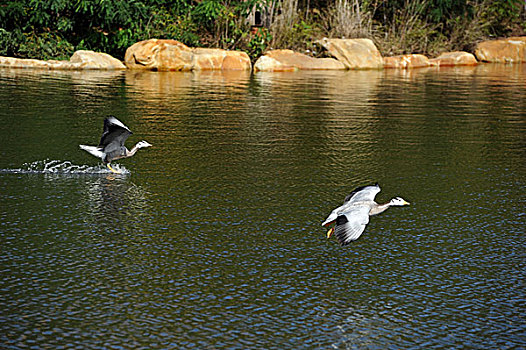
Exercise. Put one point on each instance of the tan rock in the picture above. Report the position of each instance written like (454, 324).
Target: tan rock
(406, 61)
(288, 60)
(207, 59)
(455, 58)
(22, 63)
(510, 50)
(95, 60)
(218, 59)
(172, 55)
(155, 54)
(354, 53)
(236, 60)
(81, 59)
(269, 64)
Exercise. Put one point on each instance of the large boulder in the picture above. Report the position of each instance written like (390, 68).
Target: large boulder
(406, 61)
(87, 59)
(455, 58)
(82, 59)
(157, 54)
(268, 64)
(23, 63)
(172, 55)
(354, 53)
(288, 60)
(510, 50)
(218, 59)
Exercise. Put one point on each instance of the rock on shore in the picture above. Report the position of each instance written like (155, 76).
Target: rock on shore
(82, 59)
(509, 50)
(347, 53)
(406, 61)
(455, 58)
(172, 55)
(288, 60)
(354, 53)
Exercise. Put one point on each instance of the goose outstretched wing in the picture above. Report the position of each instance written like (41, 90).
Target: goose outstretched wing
(363, 194)
(351, 224)
(114, 135)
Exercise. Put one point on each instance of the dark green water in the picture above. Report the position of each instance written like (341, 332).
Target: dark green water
(212, 238)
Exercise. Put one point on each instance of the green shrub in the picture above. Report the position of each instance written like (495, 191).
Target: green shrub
(258, 43)
(45, 46)
(54, 28)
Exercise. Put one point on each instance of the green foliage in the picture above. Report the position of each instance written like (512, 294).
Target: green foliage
(55, 28)
(207, 11)
(8, 42)
(259, 43)
(103, 25)
(500, 15)
(46, 46)
(32, 45)
(164, 24)
(226, 23)
(12, 14)
(299, 34)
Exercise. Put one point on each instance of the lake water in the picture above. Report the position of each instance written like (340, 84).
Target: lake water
(211, 239)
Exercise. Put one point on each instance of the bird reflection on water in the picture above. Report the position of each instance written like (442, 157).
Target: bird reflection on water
(114, 202)
(110, 197)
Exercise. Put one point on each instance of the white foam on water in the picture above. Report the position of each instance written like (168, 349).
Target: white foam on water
(64, 167)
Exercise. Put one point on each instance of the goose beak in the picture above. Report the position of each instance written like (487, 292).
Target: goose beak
(406, 202)
(330, 232)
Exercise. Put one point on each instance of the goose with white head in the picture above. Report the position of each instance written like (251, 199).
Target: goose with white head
(353, 216)
(111, 146)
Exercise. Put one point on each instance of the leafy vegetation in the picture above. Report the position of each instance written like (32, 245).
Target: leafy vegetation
(47, 29)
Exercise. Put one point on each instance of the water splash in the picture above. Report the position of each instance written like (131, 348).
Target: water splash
(63, 167)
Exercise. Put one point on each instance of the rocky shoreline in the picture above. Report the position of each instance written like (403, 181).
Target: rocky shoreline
(346, 54)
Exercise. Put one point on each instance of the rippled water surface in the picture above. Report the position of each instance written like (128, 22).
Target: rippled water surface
(211, 238)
